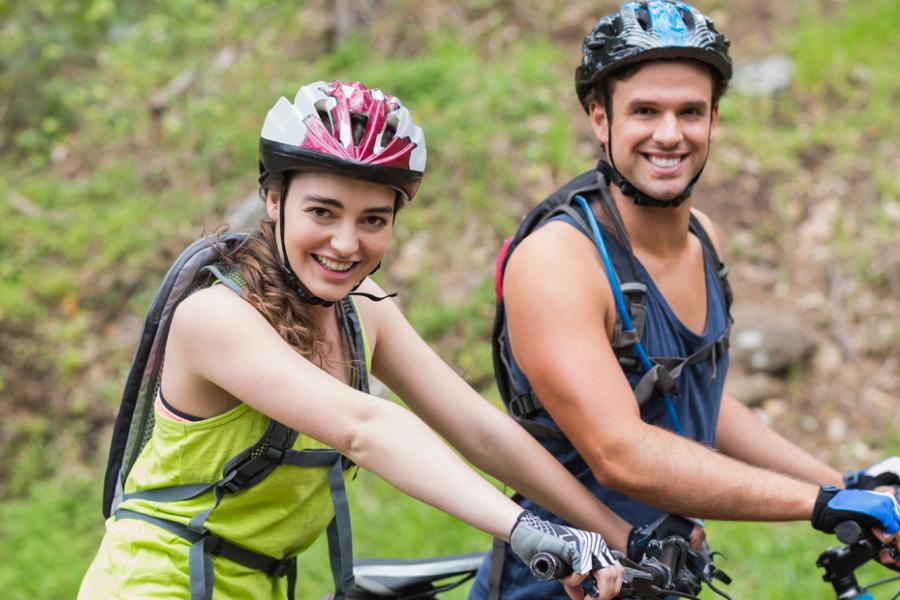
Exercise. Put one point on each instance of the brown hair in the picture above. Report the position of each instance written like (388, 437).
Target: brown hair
(266, 290)
(601, 91)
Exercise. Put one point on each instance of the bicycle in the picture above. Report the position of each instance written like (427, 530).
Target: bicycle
(670, 568)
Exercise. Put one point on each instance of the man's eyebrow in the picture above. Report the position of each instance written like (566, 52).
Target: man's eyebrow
(697, 104)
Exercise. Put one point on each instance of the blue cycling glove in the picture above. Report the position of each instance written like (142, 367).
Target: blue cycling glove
(871, 509)
(886, 472)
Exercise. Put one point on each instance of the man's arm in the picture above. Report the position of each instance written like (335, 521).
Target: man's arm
(742, 435)
(559, 307)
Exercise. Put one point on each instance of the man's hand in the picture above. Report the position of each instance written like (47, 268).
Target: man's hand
(868, 508)
(661, 529)
(886, 472)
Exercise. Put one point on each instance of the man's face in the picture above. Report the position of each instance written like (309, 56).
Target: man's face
(662, 124)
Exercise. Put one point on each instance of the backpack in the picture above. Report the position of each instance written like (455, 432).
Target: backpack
(198, 266)
(657, 380)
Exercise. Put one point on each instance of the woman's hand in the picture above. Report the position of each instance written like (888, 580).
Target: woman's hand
(583, 552)
(607, 581)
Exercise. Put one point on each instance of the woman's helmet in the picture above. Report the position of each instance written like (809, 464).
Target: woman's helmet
(641, 31)
(346, 129)
(645, 31)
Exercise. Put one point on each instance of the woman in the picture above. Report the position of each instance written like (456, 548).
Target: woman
(337, 164)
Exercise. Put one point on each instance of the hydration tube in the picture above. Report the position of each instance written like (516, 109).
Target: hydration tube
(621, 308)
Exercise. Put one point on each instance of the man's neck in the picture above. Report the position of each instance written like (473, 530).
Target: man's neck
(658, 231)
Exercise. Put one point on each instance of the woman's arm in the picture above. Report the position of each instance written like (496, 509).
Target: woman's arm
(252, 363)
(486, 436)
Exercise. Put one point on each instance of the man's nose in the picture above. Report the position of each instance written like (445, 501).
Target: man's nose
(668, 130)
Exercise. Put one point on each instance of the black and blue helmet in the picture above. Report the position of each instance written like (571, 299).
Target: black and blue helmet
(651, 30)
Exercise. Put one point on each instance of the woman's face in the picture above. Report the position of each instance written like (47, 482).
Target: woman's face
(336, 230)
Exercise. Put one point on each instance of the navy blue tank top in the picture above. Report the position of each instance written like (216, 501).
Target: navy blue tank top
(699, 387)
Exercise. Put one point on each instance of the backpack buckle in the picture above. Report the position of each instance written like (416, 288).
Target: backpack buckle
(276, 454)
(281, 568)
(233, 482)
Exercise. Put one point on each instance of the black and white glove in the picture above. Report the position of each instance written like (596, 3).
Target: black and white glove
(885, 472)
(665, 526)
(584, 551)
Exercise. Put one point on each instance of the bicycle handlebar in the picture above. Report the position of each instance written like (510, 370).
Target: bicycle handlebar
(669, 568)
(841, 563)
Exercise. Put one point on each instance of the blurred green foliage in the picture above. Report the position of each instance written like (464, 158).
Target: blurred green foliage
(128, 128)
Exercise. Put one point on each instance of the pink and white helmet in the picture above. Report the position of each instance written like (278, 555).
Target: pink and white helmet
(347, 129)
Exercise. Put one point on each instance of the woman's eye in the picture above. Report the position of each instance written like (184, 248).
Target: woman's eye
(320, 212)
(374, 221)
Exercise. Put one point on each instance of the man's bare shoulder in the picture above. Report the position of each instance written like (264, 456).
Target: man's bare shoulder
(709, 227)
(554, 265)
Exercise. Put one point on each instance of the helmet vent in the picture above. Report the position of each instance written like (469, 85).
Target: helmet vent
(389, 132)
(358, 126)
(643, 17)
(326, 120)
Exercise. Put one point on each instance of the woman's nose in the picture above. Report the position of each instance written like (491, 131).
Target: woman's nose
(345, 240)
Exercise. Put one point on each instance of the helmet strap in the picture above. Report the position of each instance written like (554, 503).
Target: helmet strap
(287, 271)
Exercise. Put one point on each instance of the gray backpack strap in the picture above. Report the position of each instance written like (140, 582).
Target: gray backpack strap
(495, 575)
(246, 470)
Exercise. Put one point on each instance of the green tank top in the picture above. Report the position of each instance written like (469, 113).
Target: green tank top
(279, 517)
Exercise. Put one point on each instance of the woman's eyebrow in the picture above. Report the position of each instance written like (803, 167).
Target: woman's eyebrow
(387, 210)
(323, 200)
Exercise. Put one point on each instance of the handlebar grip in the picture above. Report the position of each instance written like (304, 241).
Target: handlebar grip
(849, 532)
(546, 566)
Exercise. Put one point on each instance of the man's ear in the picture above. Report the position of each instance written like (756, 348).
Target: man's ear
(599, 121)
(713, 122)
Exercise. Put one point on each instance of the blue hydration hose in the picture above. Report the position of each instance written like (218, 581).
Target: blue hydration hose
(622, 309)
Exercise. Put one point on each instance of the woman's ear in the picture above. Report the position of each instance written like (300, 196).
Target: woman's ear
(273, 206)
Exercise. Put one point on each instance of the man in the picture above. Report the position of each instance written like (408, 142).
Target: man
(636, 428)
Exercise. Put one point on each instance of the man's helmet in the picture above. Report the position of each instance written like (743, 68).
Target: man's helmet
(346, 129)
(645, 31)
(641, 31)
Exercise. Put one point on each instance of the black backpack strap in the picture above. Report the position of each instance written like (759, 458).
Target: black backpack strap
(627, 273)
(207, 545)
(666, 370)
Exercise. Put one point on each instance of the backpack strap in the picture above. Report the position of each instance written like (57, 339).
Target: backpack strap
(519, 397)
(244, 471)
(721, 269)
